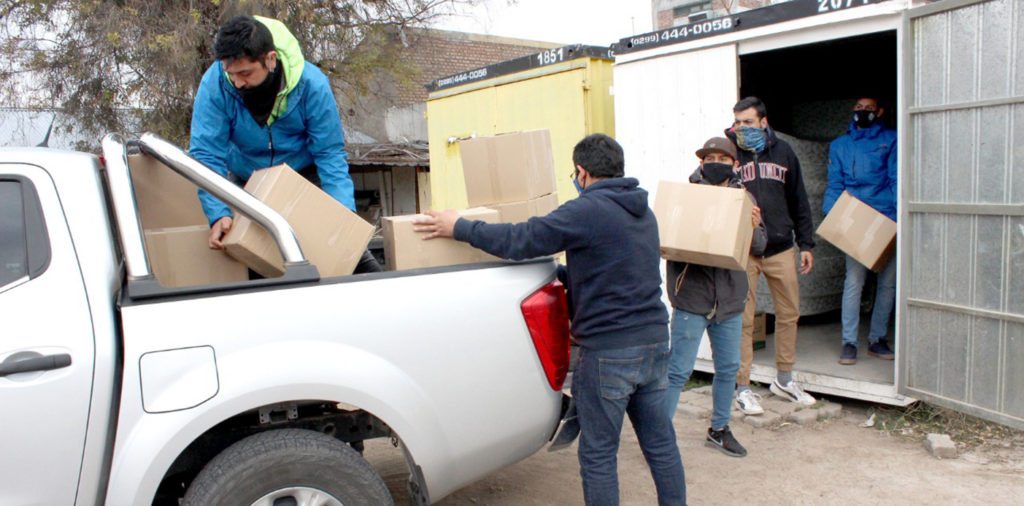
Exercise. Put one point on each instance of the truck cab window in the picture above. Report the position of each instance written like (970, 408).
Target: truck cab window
(13, 243)
(24, 243)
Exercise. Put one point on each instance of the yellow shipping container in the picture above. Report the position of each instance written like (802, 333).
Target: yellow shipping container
(566, 90)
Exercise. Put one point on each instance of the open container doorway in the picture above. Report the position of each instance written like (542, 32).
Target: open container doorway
(809, 91)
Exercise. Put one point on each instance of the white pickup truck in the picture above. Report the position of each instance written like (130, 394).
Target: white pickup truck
(115, 390)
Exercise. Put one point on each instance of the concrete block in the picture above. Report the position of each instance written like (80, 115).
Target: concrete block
(941, 446)
(780, 406)
(768, 419)
(803, 417)
(693, 411)
(830, 410)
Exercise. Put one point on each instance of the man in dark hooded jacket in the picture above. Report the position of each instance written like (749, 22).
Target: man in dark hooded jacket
(770, 170)
(610, 239)
(711, 299)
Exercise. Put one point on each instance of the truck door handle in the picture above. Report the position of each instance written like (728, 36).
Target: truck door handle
(43, 363)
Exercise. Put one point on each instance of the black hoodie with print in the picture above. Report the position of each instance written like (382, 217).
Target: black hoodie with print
(773, 177)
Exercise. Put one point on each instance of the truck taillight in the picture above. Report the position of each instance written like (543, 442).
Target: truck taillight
(547, 318)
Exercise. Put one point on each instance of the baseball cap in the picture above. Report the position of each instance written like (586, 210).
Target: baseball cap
(720, 145)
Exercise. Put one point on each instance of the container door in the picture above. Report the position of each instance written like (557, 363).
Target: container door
(667, 106)
(962, 208)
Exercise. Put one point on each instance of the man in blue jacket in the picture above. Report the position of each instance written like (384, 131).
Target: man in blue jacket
(610, 239)
(261, 104)
(863, 162)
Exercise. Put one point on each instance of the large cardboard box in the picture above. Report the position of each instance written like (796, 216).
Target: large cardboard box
(516, 212)
(180, 256)
(509, 167)
(704, 224)
(406, 249)
(860, 231)
(332, 237)
(165, 198)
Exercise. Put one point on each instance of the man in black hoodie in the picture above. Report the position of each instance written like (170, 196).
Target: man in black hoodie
(771, 172)
(711, 299)
(610, 239)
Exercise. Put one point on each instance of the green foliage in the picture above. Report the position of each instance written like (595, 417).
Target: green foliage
(134, 65)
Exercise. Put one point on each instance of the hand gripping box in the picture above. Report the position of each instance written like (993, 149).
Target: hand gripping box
(860, 231)
(181, 256)
(704, 224)
(516, 212)
(511, 167)
(332, 237)
(406, 249)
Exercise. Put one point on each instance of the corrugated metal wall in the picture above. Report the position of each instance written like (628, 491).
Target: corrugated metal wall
(962, 238)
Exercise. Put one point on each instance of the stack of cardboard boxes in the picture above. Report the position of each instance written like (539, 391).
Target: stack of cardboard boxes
(332, 237)
(176, 230)
(509, 178)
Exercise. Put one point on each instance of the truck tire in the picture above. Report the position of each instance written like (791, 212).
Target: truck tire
(288, 467)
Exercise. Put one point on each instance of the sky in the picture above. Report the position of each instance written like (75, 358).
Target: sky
(593, 22)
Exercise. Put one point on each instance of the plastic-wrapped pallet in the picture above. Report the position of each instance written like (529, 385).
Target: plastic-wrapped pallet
(821, 290)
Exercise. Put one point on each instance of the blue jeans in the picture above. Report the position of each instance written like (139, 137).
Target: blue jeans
(885, 300)
(605, 385)
(687, 329)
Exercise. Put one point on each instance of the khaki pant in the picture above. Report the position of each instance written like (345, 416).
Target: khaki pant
(780, 272)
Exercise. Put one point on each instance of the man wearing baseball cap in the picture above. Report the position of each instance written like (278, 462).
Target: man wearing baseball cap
(712, 299)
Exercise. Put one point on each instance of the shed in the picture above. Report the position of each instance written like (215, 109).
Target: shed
(951, 75)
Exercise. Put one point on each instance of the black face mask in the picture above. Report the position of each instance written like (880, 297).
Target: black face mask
(717, 173)
(260, 99)
(864, 118)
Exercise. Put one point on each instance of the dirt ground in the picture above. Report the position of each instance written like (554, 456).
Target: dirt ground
(831, 462)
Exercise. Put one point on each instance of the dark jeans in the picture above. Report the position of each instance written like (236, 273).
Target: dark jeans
(608, 383)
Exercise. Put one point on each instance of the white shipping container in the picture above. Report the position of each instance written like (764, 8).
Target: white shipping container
(949, 76)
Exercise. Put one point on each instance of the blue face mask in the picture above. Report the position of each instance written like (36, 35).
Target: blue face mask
(751, 138)
(576, 183)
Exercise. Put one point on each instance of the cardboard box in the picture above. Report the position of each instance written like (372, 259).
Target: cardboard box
(704, 224)
(165, 198)
(180, 256)
(332, 237)
(510, 167)
(406, 249)
(516, 212)
(760, 330)
(860, 231)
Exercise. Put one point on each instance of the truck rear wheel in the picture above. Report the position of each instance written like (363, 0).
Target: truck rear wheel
(288, 467)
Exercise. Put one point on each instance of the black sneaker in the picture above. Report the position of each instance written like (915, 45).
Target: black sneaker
(724, 441)
(848, 355)
(881, 350)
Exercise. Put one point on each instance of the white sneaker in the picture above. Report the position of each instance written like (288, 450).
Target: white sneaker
(749, 402)
(792, 392)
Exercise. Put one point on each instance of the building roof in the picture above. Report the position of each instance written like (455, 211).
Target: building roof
(393, 155)
(438, 53)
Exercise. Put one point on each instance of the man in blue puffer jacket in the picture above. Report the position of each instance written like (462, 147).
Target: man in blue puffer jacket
(863, 162)
(261, 104)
